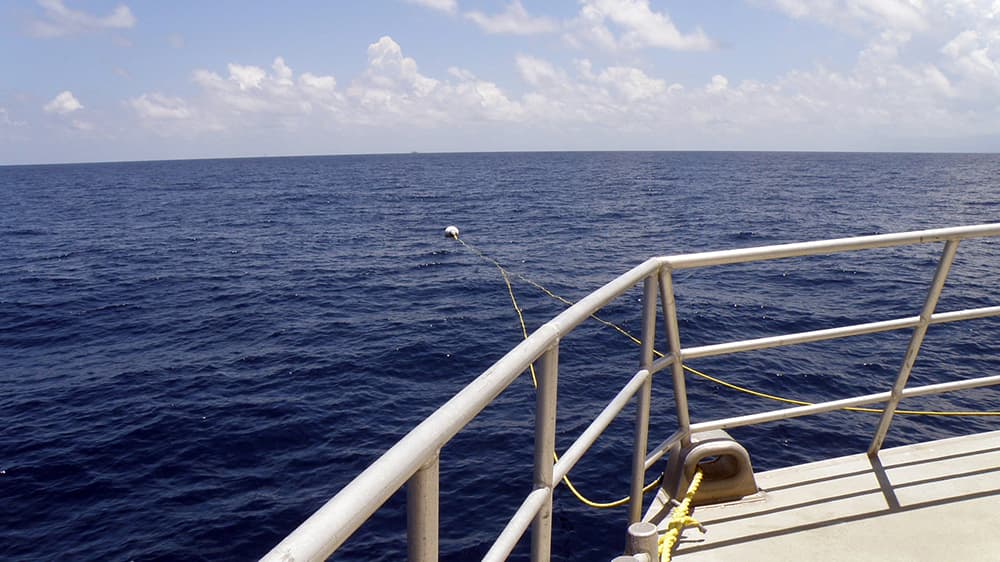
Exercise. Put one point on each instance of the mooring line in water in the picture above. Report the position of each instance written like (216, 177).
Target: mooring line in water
(506, 277)
(534, 381)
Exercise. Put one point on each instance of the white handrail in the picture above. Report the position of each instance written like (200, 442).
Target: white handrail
(323, 532)
(836, 245)
(335, 521)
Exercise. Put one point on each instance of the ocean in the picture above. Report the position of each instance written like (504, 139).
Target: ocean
(196, 355)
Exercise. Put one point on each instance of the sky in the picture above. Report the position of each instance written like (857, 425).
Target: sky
(95, 80)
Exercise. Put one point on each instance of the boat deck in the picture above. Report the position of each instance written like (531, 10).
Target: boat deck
(937, 500)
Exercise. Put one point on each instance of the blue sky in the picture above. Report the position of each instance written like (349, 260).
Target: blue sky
(103, 80)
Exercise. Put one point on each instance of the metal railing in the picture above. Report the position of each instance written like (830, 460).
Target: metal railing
(414, 459)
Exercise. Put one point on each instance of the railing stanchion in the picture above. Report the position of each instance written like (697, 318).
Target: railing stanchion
(674, 343)
(944, 265)
(422, 513)
(545, 447)
(643, 398)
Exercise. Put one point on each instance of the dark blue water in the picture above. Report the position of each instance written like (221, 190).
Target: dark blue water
(195, 355)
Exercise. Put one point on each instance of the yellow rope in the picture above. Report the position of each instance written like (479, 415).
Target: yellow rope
(680, 519)
(534, 380)
(850, 409)
(720, 382)
(606, 505)
(510, 291)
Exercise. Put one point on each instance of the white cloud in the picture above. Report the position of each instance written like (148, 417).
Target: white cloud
(954, 45)
(159, 106)
(6, 121)
(908, 15)
(248, 96)
(60, 21)
(937, 82)
(63, 104)
(536, 71)
(81, 125)
(251, 90)
(170, 116)
(632, 83)
(974, 56)
(247, 77)
(391, 91)
(282, 73)
(617, 96)
(389, 69)
(447, 6)
(885, 93)
(638, 24)
(318, 83)
(819, 109)
(718, 84)
(514, 20)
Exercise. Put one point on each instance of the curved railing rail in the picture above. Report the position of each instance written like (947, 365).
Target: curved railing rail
(414, 459)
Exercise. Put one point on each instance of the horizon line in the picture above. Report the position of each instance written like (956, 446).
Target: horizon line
(469, 152)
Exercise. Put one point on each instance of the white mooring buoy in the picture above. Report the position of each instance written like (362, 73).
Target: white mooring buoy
(451, 232)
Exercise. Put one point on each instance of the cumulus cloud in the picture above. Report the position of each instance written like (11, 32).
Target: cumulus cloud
(904, 35)
(822, 108)
(447, 6)
(637, 25)
(170, 116)
(318, 83)
(974, 58)
(717, 85)
(632, 83)
(247, 95)
(514, 20)
(536, 71)
(248, 77)
(387, 67)
(618, 97)
(391, 91)
(885, 91)
(63, 104)
(249, 90)
(60, 21)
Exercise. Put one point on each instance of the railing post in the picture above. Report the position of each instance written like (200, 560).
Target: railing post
(422, 513)
(674, 342)
(643, 397)
(944, 265)
(545, 447)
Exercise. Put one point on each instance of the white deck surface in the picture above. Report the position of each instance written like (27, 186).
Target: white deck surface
(935, 501)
